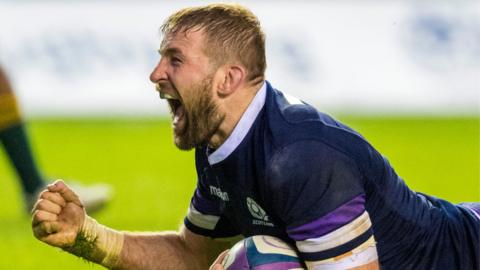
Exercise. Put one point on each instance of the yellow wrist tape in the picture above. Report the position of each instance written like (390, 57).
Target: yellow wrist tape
(108, 242)
(9, 112)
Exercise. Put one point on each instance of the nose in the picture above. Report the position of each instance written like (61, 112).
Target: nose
(159, 72)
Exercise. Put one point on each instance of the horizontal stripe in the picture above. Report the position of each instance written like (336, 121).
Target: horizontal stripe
(362, 255)
(197, 230)
(338, 237)
(336, 251)
(217, 234)
(204, 204)
(330, 222)
(201, 220)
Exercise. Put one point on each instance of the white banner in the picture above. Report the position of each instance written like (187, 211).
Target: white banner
(371, 56)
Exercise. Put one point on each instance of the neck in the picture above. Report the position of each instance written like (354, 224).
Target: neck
(234, 107)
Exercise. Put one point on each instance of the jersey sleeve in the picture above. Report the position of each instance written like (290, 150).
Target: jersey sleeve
(205, 213)
(205, 217)
(318, 193)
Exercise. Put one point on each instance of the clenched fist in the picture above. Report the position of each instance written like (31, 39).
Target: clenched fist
(58, 215)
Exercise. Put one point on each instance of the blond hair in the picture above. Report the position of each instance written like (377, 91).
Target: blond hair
(232, 33)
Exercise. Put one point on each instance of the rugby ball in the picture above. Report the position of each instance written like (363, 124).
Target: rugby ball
(261, 252)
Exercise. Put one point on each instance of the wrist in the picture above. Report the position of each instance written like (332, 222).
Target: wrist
(98, 243)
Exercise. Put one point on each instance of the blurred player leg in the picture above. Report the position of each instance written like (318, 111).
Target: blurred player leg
(15, 142)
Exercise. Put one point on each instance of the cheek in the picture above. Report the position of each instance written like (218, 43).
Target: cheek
(182, 83)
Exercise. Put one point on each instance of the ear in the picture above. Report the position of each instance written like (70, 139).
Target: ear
(232, 78)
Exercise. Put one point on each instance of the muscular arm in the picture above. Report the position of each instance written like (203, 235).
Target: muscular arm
(336, 232)
(169, 250)
(360, 258)
(60, 220)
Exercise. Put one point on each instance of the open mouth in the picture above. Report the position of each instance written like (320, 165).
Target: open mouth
(176, 108)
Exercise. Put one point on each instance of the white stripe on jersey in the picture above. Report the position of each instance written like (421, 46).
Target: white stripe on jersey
(362, 255)
(201, 220)
(340, 236)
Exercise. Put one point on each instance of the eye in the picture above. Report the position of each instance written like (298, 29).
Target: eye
(175, 61)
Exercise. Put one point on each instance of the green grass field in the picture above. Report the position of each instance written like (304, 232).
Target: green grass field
(153, 181)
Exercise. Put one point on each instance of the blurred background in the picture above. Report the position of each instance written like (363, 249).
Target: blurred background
(406, 74)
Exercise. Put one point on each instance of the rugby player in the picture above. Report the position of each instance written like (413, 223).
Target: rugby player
(267, 164)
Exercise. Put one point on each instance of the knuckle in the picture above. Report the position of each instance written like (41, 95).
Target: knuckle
(45, 194)
(36, 215)
(57, 196)
(43, 226)
(41, 204)
(41, 215)
(46, 227)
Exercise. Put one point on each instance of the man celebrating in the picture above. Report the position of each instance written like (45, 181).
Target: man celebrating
(267, 164)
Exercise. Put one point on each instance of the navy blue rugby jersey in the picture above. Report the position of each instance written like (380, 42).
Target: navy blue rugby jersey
(292, 172)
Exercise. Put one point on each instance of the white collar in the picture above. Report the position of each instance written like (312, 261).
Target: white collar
(241, 129)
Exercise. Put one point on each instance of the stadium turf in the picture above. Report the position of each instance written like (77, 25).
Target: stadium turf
(153, 181)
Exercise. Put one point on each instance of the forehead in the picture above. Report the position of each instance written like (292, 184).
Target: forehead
(190, 42)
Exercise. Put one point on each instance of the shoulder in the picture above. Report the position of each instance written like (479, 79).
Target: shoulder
(295, 126)
(305, 159)
(308, 179)
(291, 109)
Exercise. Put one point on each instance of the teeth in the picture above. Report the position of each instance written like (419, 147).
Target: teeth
(166, 96)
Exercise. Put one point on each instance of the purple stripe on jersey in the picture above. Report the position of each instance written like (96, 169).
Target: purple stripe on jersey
(278, 265)
(204, 205)
(331, 221)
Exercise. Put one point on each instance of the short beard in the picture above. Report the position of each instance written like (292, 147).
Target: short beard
(203, 117)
